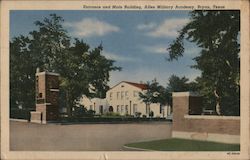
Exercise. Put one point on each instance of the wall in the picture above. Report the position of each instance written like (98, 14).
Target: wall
(202, 127)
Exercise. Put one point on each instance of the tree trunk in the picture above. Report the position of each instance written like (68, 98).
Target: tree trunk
(218, 108)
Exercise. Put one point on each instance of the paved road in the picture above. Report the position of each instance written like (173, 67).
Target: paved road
(83, 137)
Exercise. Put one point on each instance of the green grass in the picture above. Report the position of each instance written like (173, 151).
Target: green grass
(175, 144)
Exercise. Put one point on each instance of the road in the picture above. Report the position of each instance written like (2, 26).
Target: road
(83, 137)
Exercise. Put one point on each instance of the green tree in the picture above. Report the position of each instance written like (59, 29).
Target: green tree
(217, 34)
(155, 93)
(83, 70)
(22, 84)
(179, 84)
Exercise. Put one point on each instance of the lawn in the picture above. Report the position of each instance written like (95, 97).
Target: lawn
(175, 144)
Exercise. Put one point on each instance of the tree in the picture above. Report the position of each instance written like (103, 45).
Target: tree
(85, 72)
(217, 34)
(22, 83)
(82, 70)
(155, 93)
(179, 84)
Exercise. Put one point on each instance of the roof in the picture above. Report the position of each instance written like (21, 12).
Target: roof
(138, 85)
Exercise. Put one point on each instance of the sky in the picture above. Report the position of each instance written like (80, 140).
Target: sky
(136, 40)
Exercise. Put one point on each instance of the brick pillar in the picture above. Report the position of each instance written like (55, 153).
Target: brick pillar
(47, 97)
(185, 103)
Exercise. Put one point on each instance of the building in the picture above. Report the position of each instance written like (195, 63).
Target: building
(98, 105)
(124, 99)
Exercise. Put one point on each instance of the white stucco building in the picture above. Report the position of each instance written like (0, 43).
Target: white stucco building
(124, 99)
(98, 105)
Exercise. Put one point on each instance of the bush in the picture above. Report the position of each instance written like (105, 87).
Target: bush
(82, 112)
(144, 116)
(151, 114)
(137, 114)
(20, 114)
(112, 114)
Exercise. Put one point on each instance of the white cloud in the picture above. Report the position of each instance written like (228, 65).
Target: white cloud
(145, 26)
(117, 57)
(156, 49)
(168, 28)
(88, 27)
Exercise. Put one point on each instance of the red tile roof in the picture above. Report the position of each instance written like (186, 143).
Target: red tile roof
(139, 85)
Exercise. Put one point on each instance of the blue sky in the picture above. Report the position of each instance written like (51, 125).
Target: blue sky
(137, 40)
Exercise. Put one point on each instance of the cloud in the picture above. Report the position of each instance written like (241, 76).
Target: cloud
(118, 58)
(168, 28)
(146, 26)
(88, 27)
(156, 49)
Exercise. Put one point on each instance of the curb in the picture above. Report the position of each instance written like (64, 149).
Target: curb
(18, 120)
(135, 149)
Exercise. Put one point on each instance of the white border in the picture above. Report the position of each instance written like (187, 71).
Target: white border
(77, 5)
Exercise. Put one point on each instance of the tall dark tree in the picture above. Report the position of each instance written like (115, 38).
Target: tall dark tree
(217, 34)
(22, 84)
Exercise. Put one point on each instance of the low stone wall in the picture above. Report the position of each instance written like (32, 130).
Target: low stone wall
(202, 127)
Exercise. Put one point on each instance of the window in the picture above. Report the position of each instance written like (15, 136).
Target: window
(118, 95)
(118, 109)
(110, 96)
(126, 94)
(122, 94)
(135, 93)
(134, 108)
(122, 108)
(126, 109)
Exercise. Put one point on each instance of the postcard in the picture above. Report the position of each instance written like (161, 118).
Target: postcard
(124, 79)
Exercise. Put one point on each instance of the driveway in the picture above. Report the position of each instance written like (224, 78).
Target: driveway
(83, 137)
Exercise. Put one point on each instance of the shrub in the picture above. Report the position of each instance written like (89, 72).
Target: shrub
(137, 114)
(151, 114)
(20, 114)
(144, 116)
(112, 114)
(82, 112)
